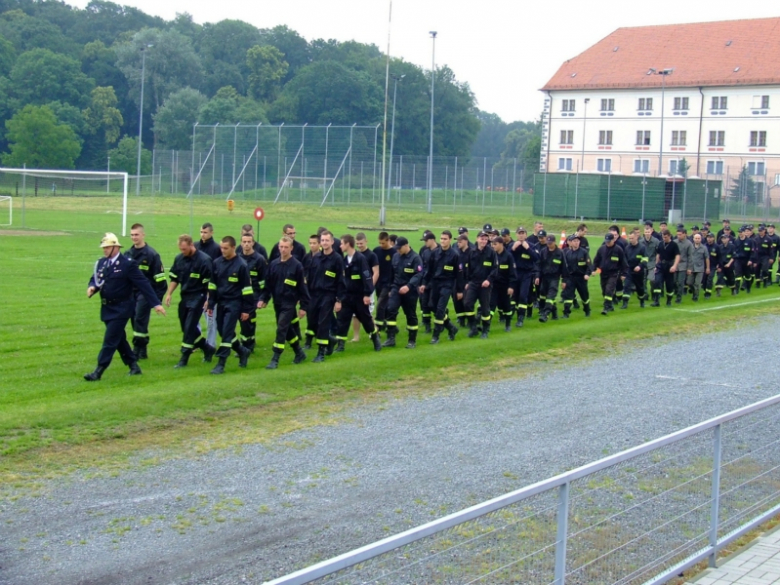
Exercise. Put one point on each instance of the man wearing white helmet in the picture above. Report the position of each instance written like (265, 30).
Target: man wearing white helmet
(114, 277)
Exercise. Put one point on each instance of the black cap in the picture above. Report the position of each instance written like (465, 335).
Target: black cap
(695, 227)
(550, 239)
(487, 228)
(742, 230)
(609, 237)
(482, 234)
(707, 224)
(680, 226)
(726, 221)
(505, 232)
(462, 230)
(711, 235)
(724, 236)
(521, 230)
(425, 235)
(771, 225)
(573, 237)
(401, 241)
(541, 234)
(762, 228)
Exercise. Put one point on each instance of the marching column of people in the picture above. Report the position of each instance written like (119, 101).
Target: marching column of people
(333, 285)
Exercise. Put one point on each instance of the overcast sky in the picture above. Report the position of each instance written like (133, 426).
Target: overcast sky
(505, 49)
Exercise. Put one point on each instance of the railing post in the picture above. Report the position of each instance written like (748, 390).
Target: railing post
(715, 511)
(563, 530)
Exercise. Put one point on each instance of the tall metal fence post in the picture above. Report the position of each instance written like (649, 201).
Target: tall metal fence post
(609, 196)
(455, 185)
(685, 198)
(576, 189)
(644, 186)
(706, 195)
(561, 537)
(544, 195)
(715, 510)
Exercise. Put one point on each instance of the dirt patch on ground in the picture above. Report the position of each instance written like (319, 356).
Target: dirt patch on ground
(31, 233)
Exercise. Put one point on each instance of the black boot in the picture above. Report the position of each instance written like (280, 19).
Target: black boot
(340, 344)
(208, 352)
(96, 375)
(656, 300)
(390, 341)
(140, 352)
(543, 315)
(309, 339)
(642, 303)
(332, 342)
(529, 312)
(437, 329)
(520, 318)
(625, 302)
(668, 300)
(184, 359)
(451, 329)
(485, 329)
(508, 323)
(473, 326)
(717, 292)
(243, 356)
(377, 341)
(274, 363)
(427, 325)
(135, 370)
(576, 304)
(554, 312)
(220, 367)
(300, 355)
(605, 309)
(412, 339)
(320, 357)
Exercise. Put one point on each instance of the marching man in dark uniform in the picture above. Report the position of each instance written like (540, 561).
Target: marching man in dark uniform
(231, 288)
(284, 283)
(612, 261)
(636, 275)
(257, 266)
(444, 276)
(580, 269)
(504, 281)
(429, 245)
(192, 271)
(479, 276)
(326, 287)
(359, 282)
(151, 266)
(667, 257)
(527, 265)
(407, 278)
(115, 277)
(552, 267)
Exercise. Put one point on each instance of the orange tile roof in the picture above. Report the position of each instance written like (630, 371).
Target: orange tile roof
(734, 52)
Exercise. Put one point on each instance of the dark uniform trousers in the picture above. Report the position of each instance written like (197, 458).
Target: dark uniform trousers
(548, 291)
(664, 279)
(320, 315)
(500, 299)
(609, 285)
(229, 314)
(382, 292)
(190, 311)
(248, 330)
(476, 292)
(635, 282)
(425, 306)
(742, 273)
(408, 302)
(460, 307)
(576, 284)
(353, 305)
(726, 276)
(522, 295)
(287, 327)
(140, 320)
(115, 338)
(441, 291)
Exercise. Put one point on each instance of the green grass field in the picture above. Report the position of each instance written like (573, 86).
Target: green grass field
(51, 420)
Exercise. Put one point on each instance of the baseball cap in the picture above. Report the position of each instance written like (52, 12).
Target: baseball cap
(707, 224)
(541, 234)
(505, 232)
(482, 234)
(401, 241)
(487, 228)
(711, 235)
(609, 237)
(573, 237)
(695, 227)
(425, 235)
(429, 236)
(521, 230)
(463, 230)
(550, 239)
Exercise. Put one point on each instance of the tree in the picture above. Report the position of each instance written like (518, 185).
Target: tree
(490, 139)
(744, 188)
(229, 107)
(7, 56)
(267, 69)
(102, 126)
(108, 22)
(27, 33)
(174, 121)
(37, 140)
(223, 49)
(293, 46)
(125, 157)
(40, 76)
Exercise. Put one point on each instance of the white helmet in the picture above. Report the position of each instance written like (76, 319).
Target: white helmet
(110, 241)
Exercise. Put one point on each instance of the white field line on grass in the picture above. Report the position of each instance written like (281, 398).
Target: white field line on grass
(731, 306)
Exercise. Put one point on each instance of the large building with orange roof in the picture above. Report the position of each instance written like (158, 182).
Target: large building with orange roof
(642, 99)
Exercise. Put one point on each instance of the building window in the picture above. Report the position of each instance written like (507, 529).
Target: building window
(604, 165)
(679, 137)
(564, 164)
(607, 105)
(645, 104)
(643, 137)
(717, 138)
(674, 165)
(756, 168)
(719, 102)
(567, 136)
(761, 101)
(714, 167)
(641, 166)
(605, 137)
(567, 105)
(681, 103)
(758, 138)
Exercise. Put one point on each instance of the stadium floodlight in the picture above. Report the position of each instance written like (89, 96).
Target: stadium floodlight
(430, 154)
(48, 185)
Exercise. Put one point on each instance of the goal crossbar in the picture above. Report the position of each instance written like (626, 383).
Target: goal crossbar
(88, 175)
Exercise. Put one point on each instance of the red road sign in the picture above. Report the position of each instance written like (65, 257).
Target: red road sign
(259, 213)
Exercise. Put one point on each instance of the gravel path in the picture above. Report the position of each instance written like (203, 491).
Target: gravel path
(250, 515)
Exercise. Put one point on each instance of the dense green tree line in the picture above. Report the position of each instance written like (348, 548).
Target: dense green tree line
(70, 83)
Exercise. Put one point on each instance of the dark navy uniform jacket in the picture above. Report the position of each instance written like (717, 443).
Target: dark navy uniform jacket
(119, 280)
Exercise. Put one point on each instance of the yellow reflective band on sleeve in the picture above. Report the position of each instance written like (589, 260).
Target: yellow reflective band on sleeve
(410, 270)
(614, 258)
(143, 267)
(487, 264)
(159, 277)
(581, 263)
(503, 266)
(212, 286)
(290, 282)
(331, 274)
(449, 267)
(205, 280)
(261, 284)
(556, 261)
(194, 275)
(253, 273)
(525, 256)
(247, 290)
(232, 278)
(172, 275)
(355, 277)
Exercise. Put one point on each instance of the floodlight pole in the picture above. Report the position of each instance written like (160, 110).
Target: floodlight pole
(663, 73)
(396, 79)
(430, 153)
(141, 119)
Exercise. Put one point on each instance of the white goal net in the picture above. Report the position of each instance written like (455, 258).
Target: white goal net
(93, 201)
(6, 211)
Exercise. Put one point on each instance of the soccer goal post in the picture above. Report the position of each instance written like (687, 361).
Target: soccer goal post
(6, 220)
(69, 200)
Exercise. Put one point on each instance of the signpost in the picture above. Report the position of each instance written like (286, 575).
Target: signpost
(259, 214)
